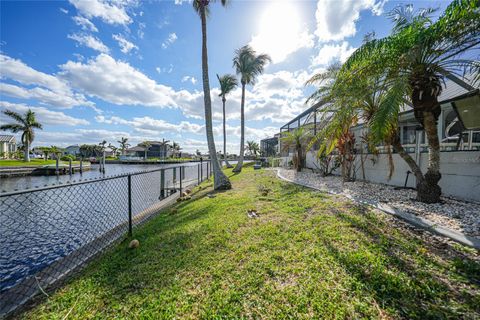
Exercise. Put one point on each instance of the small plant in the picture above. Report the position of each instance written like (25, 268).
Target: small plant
(264, 190)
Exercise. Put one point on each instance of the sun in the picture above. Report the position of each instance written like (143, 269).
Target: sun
(280, 31)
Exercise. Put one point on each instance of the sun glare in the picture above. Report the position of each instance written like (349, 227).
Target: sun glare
(280, 31)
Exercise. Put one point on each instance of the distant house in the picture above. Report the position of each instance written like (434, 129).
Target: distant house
(159, 149)
(8, 146)
(72, 150)
(135, 152)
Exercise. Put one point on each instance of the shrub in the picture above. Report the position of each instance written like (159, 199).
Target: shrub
(67, 157)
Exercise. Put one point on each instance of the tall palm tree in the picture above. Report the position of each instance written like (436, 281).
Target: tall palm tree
(221, 182)
(415, 60)
(123, 144)
(25, 124)
(249, 65)
(146, 145)
(228, 82)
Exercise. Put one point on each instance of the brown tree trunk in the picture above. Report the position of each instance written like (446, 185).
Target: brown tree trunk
(299, 159)
(238, 167)
(428, 190)
(221, 181)
(397, 146)
(228, 165)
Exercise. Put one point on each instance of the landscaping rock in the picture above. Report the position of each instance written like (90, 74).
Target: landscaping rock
(455, 214)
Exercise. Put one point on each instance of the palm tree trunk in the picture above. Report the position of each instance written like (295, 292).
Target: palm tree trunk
(299, 159)
(27, 151)
(397, 146)
(228, 165)
(221, 181)
(428, 190)
(238, 167)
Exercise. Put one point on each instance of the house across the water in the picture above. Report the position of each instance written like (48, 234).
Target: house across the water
(8, 146)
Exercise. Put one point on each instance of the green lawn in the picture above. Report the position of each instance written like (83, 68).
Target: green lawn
(307, 255)
(32, 163)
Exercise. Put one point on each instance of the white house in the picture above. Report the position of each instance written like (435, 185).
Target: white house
(8, 146)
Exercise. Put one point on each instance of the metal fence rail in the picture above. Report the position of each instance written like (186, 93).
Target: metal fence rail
(48, 233)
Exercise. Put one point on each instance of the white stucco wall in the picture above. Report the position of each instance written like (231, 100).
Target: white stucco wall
(460, 171)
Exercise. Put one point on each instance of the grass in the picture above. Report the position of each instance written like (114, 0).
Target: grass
(32, 163)
(307, 255)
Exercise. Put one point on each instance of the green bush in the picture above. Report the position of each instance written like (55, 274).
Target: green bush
(67, 157)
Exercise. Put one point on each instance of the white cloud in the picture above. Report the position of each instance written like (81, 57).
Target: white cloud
(125, 45)
(64, 10)
(172, 37)
(180, 2)
(48, 89)
(336, 19)
(44, 96)
(333, 52)
(45, 116)
(150, 125)
(109, 11)
(90, 41)
(281, 32)
(189, 78)
(85, 24)
(19, 71)
(116, 82)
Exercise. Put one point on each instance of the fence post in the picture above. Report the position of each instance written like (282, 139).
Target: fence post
(198, 174)
(162, 184)
(130, 205)
(180, 181)
(201, 171)
(174, 177)
(208, 172)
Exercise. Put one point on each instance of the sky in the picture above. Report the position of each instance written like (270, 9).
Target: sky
(96, 70)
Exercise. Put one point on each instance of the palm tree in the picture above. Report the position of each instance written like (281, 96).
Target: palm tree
(25, 124)
(89, 150)
(227, 82)
(253, 148)
(175, 148)
(221, 182)
(249, 65)
(415, 60)
(123, 144)
(146, 145)
(46, 151)
(55, 151)
(298, 139)
(114, 149)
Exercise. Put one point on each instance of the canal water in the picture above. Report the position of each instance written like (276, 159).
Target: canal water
(31, 182)
(39, 228)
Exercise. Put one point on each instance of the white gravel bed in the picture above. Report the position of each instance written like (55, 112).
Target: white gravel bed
(452, 213)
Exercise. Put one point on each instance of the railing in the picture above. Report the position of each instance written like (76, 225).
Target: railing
(48, 233)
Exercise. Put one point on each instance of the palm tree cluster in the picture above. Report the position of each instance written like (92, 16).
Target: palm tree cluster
(407, 68)
(248, 65)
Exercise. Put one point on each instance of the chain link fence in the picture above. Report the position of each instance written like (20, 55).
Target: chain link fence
(48, 233)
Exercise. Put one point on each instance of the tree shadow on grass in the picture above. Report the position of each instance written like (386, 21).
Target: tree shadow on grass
(389, 268)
